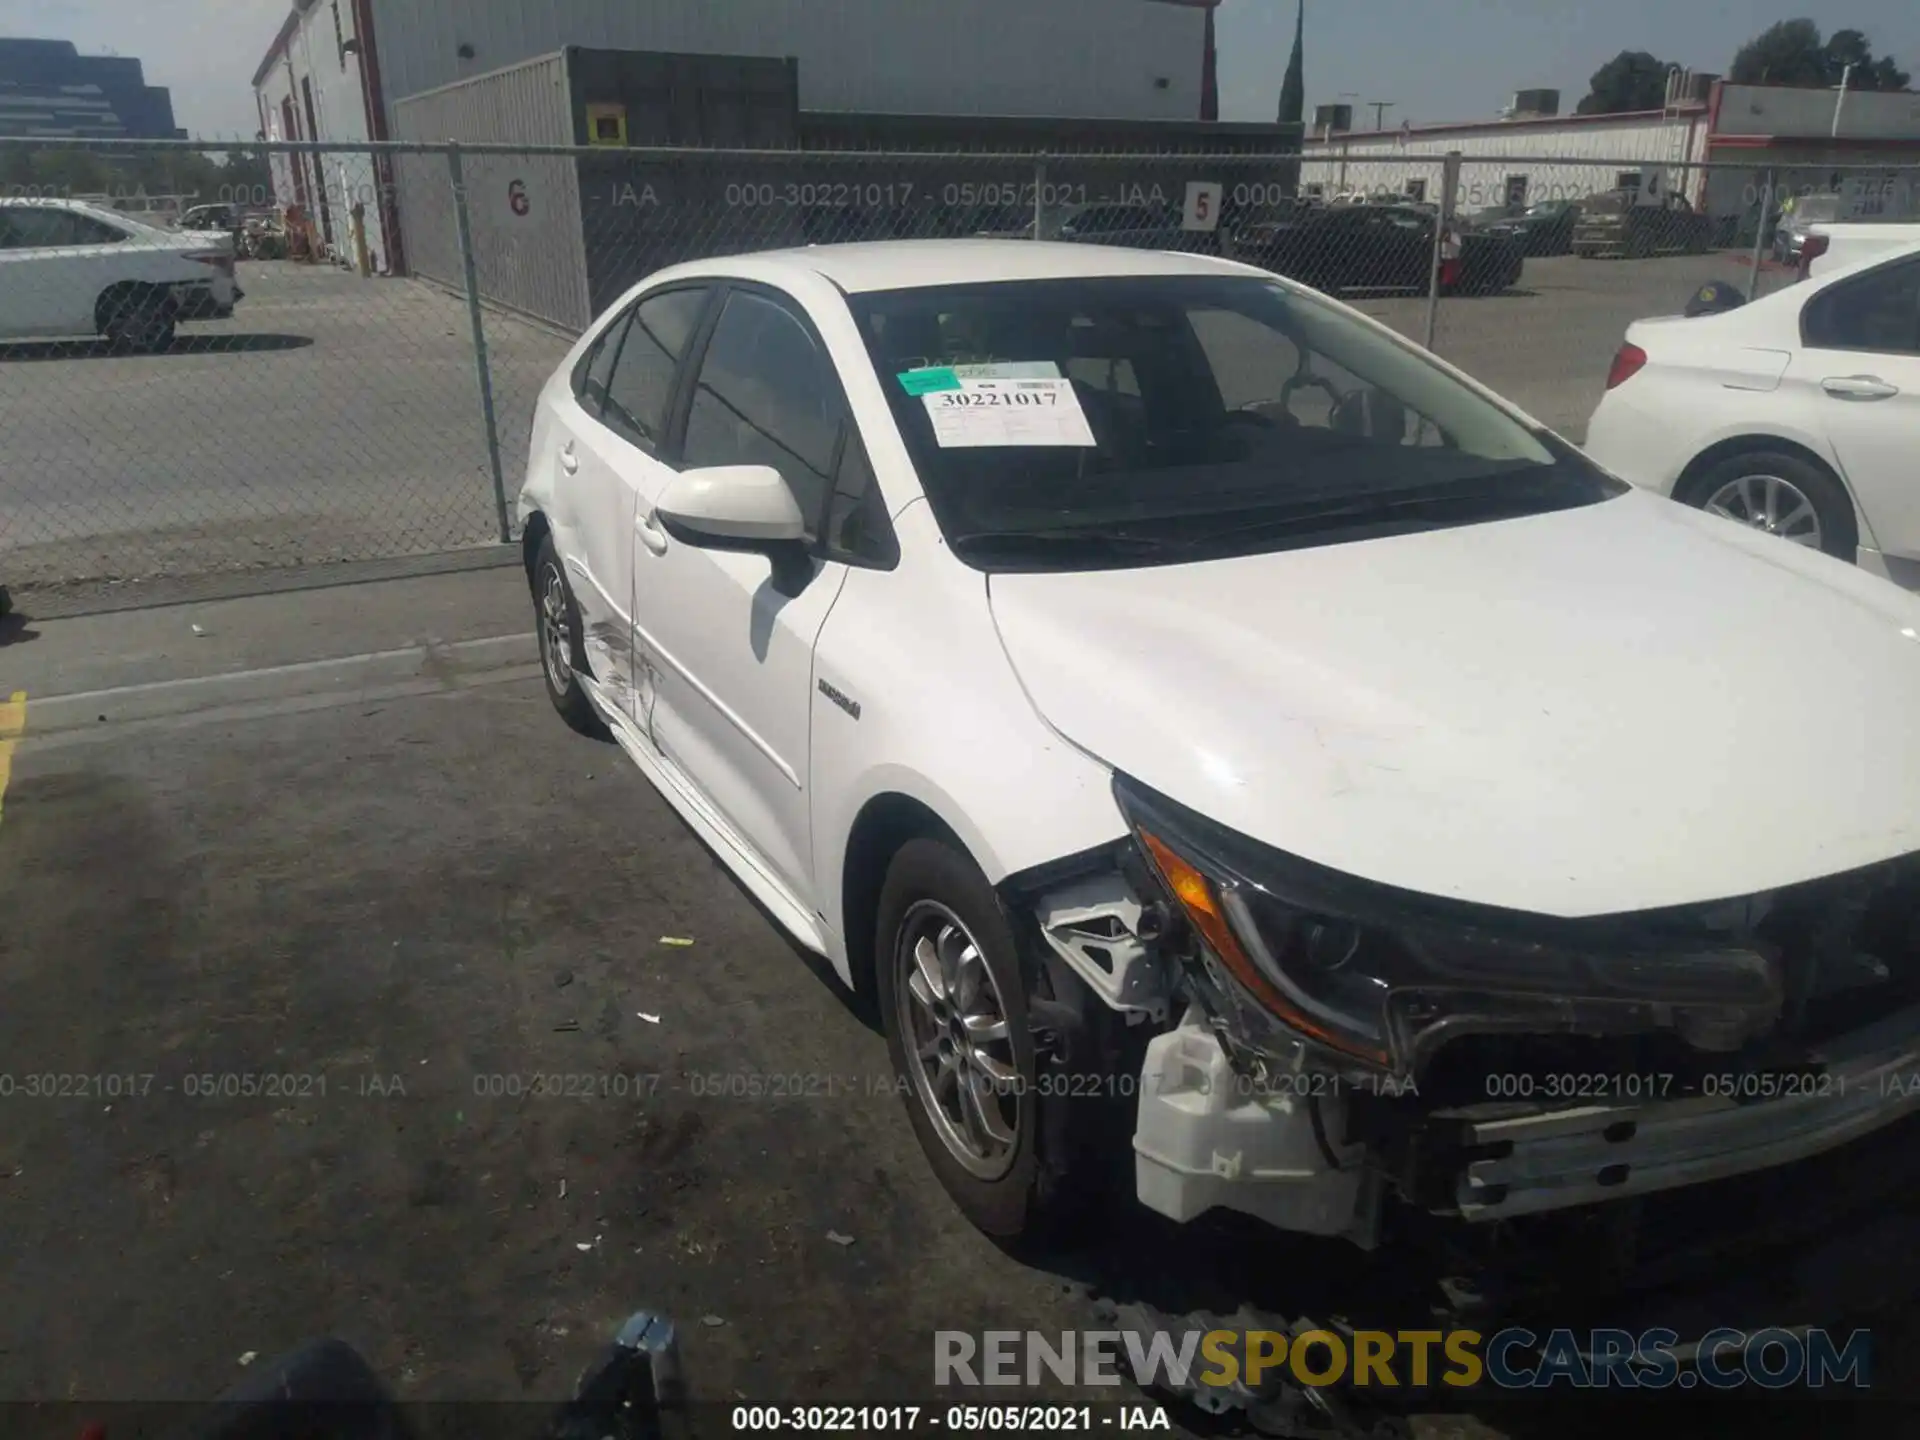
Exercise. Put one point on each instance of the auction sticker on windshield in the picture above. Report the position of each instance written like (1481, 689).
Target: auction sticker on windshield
(981, 413)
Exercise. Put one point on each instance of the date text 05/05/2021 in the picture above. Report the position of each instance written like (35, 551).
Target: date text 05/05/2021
(1003, 1419)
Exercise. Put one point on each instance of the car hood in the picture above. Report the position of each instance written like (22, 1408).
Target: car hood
(1615, 708)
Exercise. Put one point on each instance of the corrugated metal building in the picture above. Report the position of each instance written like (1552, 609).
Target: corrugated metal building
(1131, 59)
(1409, 161)
(342, 71)
(1102, 59)
(314, 85)
(1802, 135)
(524, 210)
(559, 237)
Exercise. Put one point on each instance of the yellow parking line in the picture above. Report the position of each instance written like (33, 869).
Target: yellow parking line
(13, 720)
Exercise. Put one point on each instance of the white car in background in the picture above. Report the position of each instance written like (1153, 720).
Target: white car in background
(69, 269)
(1797, 414)
(1200, 717)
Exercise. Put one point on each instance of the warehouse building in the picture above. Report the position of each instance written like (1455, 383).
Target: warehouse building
(1714, 142)
(812, 75)
(320, 80)
(48, 88)
(558, 237)
(1103, 59)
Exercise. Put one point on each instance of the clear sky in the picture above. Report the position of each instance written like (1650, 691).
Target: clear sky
(1436, 59)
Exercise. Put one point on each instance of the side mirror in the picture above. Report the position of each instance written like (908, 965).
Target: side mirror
(741, 507)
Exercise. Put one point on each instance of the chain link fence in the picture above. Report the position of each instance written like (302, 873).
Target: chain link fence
(332, 354)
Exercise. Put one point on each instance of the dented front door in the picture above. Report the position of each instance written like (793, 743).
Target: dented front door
(611, 473)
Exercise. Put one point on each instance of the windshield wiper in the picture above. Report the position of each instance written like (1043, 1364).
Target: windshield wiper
(1109, 542)
(1455, 504)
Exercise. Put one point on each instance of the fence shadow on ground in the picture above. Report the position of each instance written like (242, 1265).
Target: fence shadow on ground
(103, 349)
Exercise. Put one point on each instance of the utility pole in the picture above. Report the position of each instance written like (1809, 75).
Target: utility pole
(1380, 108)
(1840, 100)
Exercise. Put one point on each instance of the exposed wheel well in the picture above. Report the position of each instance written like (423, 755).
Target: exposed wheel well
(884, 824)
(536, 531)
(116, 296)
(1743, 445)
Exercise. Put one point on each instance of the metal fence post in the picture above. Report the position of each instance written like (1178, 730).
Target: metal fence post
(1760, 236)
(1040, 198)
(1449, 184)
(464, 223)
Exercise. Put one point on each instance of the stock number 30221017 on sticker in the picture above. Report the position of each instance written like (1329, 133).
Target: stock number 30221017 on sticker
(977, 399)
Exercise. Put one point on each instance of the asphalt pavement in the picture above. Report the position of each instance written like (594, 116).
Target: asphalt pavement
(331, 419)
(390, 1009)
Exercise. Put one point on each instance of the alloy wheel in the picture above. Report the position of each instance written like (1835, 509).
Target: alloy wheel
(958, 1040)
(1769, 503)
(556, 641)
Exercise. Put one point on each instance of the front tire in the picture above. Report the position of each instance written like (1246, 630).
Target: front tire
(1021, 1158)
(1782, 494)
(562, 649)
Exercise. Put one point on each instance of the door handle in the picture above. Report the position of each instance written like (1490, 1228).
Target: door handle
(651, 535)
(1858, 387)
(569, 462)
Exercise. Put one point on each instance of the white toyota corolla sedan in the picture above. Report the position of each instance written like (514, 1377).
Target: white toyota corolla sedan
(1798, 414)
(1215, 731)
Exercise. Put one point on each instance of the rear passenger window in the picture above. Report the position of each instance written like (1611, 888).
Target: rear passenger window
(40, 227)
(590, 376)
(1879, 311)
(641, 385)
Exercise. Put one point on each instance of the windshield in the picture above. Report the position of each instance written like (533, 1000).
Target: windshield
(1143, 419)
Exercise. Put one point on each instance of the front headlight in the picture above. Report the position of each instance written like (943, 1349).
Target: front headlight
(1381, 976)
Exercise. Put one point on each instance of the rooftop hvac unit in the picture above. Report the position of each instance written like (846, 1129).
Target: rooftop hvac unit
(1332, 118)
(1534, 104)
(1694, 89)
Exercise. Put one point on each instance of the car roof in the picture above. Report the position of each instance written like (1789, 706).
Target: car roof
(862, 267)
(85, 207)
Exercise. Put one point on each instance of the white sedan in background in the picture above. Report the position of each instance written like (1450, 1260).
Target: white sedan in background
(70, 269)
(1798, 414)
(1203, 719)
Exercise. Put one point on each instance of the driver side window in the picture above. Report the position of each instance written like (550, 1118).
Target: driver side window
(767, 396)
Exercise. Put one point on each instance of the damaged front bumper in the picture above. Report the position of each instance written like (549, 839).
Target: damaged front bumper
(1508, 1066)
(1506, 1165)
(1210, 1136)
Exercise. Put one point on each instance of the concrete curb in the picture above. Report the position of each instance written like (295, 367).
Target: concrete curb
(448, 666)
